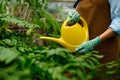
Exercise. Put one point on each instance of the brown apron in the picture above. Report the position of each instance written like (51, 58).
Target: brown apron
(97, 15)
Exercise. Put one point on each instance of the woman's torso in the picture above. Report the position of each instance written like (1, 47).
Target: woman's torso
(97, 15)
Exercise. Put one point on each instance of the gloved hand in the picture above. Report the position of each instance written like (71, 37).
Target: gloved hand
(88, 45)
(73, 17)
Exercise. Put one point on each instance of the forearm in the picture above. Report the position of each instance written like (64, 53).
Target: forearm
(107, 34)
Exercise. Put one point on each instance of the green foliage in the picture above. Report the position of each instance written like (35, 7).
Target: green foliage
(30, 14)
(17, 21)
(21, 60)
(31, 61)
(7, 57)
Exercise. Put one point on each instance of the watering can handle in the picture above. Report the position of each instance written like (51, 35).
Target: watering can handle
(85, 26)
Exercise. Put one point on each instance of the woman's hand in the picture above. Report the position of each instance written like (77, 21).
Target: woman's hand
(73, 17)
(88, 45)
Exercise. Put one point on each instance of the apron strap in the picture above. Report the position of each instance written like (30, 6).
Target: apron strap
(76, 3)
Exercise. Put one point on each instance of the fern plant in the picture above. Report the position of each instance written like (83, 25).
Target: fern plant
(33, 11)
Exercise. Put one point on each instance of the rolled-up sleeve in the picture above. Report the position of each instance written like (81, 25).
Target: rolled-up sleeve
(115, 15)
(115, 25)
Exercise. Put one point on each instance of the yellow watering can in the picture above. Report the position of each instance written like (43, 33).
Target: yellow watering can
(72, 36)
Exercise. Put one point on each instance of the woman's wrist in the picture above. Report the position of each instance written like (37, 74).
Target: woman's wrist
(107, 34)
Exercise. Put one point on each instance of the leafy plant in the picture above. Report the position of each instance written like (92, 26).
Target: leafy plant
(22, 62)
(33, 11)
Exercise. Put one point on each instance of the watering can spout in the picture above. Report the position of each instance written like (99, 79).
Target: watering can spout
(52, 39)
(61, 42)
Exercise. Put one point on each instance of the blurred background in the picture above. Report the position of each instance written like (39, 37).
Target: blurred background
(59, 8)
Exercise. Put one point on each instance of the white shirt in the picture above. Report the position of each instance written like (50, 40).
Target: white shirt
(115, 15)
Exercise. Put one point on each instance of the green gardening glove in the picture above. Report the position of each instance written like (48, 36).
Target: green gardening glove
(88, 45)
(73, 17)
